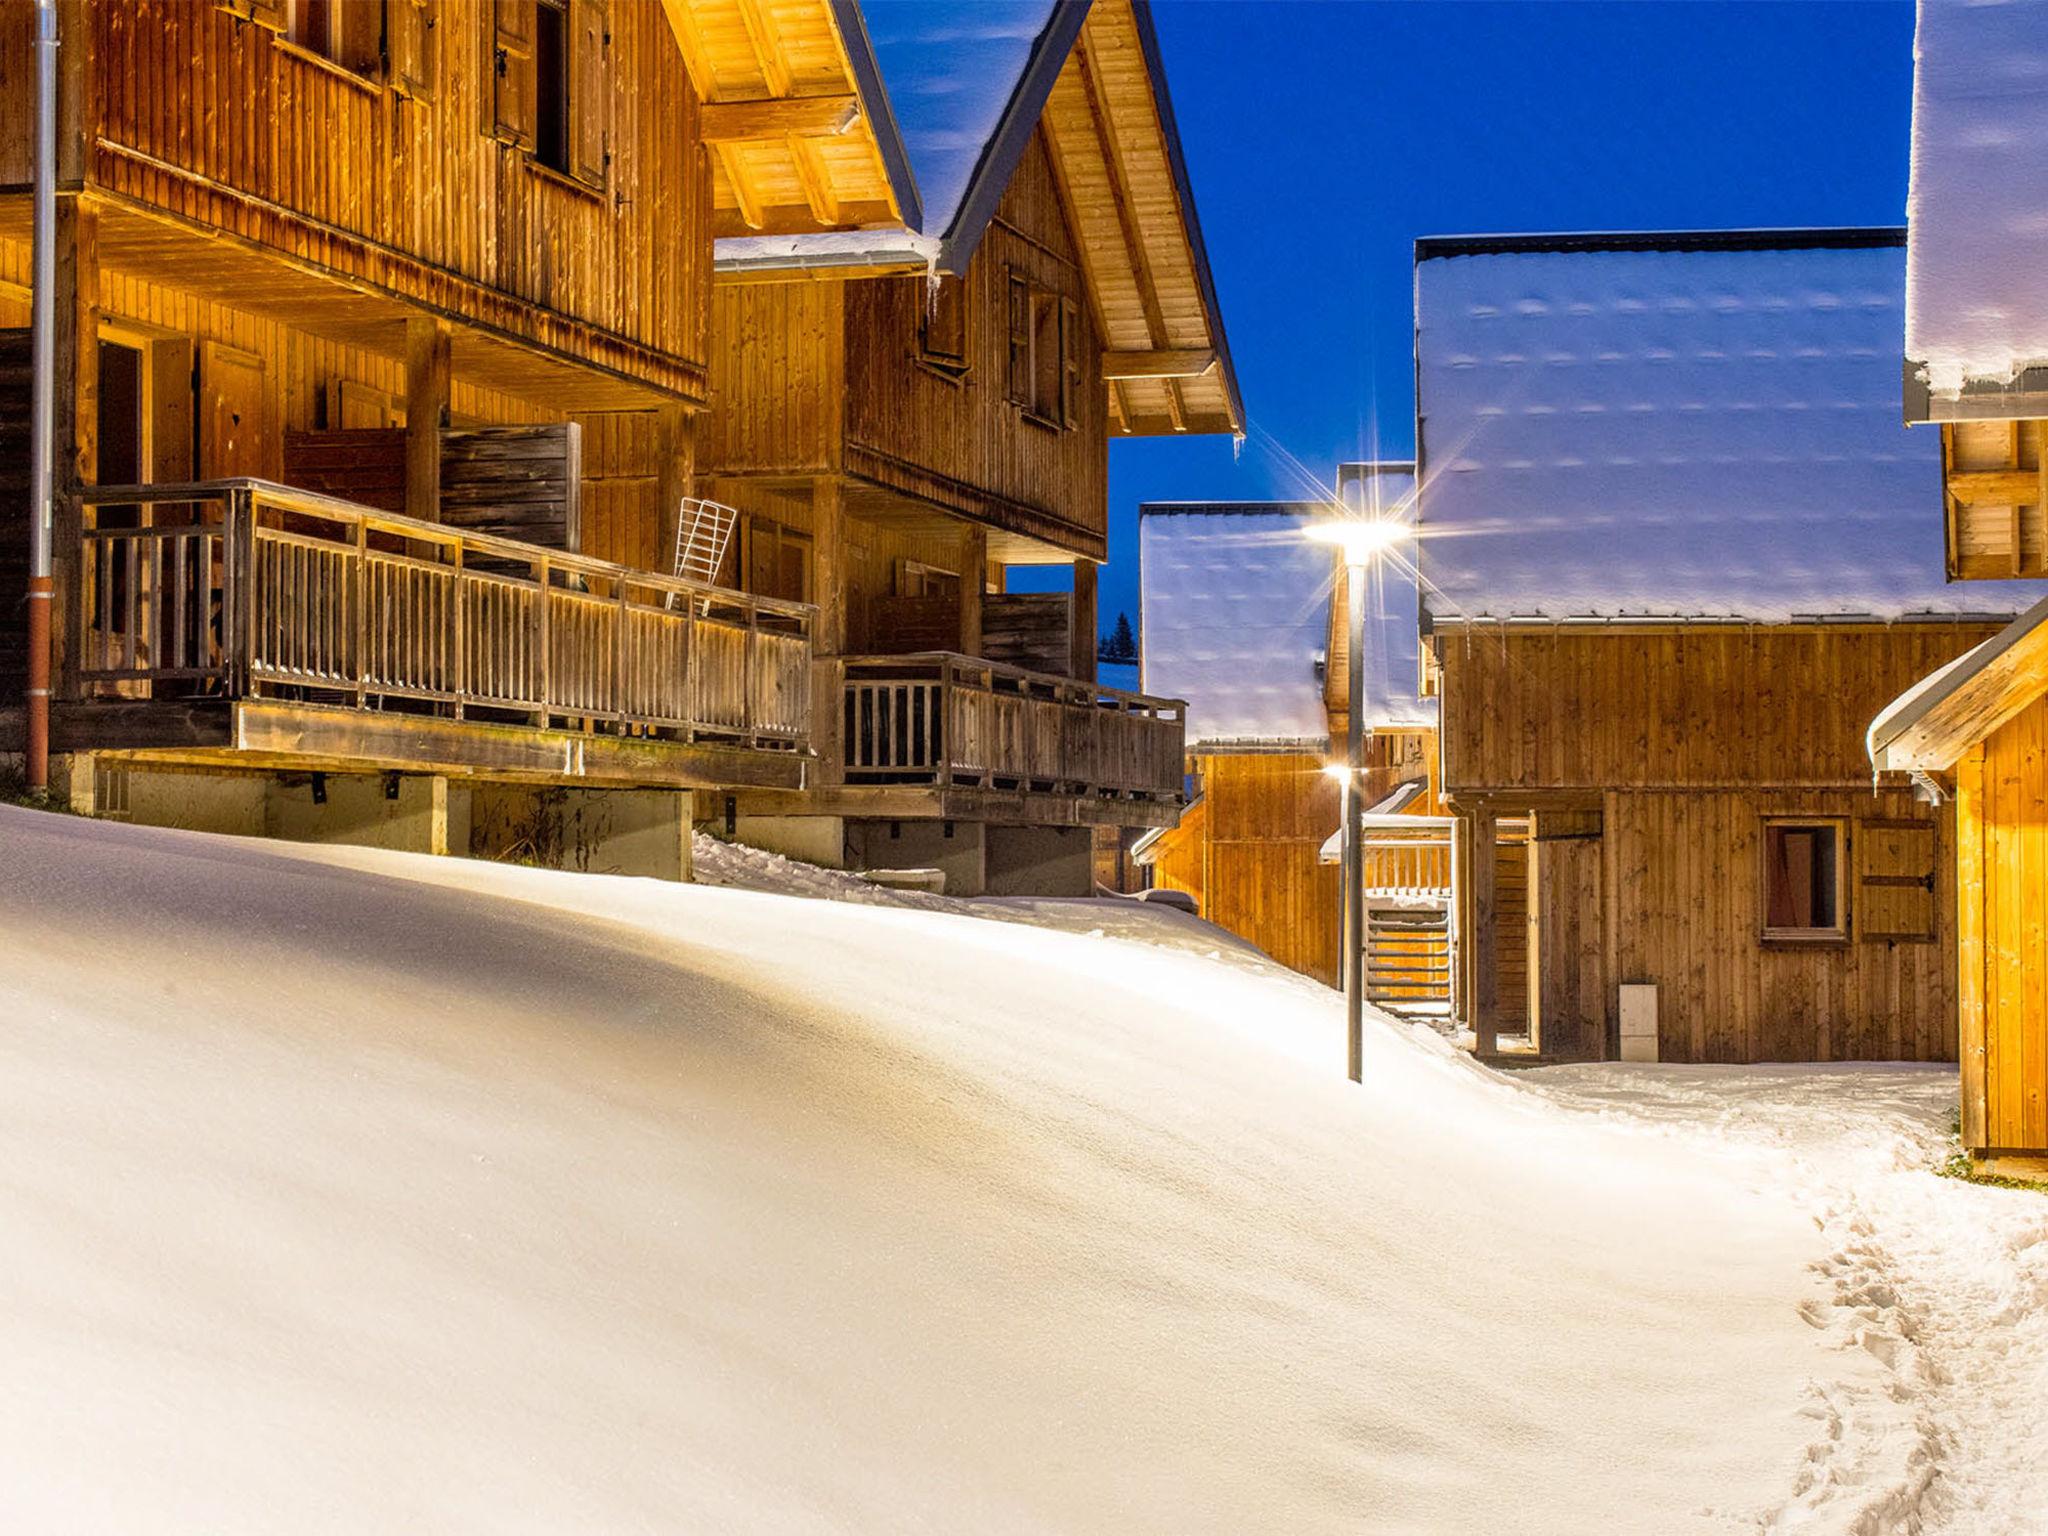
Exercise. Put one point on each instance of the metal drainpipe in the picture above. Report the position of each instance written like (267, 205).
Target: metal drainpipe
(42, 410)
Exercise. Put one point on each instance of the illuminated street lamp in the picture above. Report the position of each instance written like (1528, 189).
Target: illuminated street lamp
(1358, 541)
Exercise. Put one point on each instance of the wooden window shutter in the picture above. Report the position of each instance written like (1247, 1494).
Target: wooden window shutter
(412, 31)
(1896, 873)
(512, 71)
(590, 91)
(1070, 362)
(265, 13)
(359, 36)
(1018, 387)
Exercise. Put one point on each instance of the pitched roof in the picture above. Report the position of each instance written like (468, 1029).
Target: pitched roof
(1700, 425)
(1977, 275)
(1932, 724)
(970, 83)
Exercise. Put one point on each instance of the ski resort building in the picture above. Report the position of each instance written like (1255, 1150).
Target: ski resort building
(1675, 554)
(1243, 616)
(1975, 734)
(419, 482)
(906, 415)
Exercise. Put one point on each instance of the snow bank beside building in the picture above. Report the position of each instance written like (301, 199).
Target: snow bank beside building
(358, 1191)
(1977, 290)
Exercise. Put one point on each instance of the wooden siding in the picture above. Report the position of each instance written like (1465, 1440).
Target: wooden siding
(2002, 873)
(1251, 856)
(1562, 709)
(960, 443)
(1684, 904)
(776, 357)
(214, 122)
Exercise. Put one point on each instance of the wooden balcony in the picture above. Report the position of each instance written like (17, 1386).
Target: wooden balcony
(977, 734)
(329, 629)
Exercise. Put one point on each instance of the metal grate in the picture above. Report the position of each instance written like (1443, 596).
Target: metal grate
(703, 531)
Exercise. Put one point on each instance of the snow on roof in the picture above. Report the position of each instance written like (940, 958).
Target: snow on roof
(1977, 286)
(1234, 609)
(951, 70)
(1675, 427)
(1393, 649)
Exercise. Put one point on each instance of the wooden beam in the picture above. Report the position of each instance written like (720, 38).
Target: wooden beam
(1485, 935)
(1081, 617)
(684, 25)
(428, 346)
(830, 564)
(798, 219)
(1994, 487)
(815, 178)
(767, 47)
(742, 189)
(1164, 363)
(820, 117)
(1126, 211)
(973, 583)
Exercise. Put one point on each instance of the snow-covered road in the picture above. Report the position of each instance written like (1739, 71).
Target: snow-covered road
(354, 1191)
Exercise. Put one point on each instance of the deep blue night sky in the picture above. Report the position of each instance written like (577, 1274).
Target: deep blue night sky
(1323, 136)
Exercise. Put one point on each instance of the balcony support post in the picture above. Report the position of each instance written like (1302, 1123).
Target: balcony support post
(428, 343)
(1082, 618)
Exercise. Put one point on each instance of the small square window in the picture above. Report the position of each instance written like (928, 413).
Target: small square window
(942, 325)
(1803, 889)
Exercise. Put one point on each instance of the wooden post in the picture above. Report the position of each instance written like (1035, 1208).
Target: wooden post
(676, 445)
(973, 577)
(829, 562)
(77, 367)
(1972, 1027)
(427, 347)
(1082, 619)
(1484, 937)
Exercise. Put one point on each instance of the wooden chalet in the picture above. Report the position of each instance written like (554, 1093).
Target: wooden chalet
(1974, 734)
(1242, 614)
(1676, 552)
(383, 341)
(906, 413)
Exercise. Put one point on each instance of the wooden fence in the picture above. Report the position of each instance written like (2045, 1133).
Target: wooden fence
(948, 720)
(246, 589)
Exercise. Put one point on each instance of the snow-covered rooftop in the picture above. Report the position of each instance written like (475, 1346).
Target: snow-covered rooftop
(951, 69)
(1977, 291)
(1675, 427)
(1234, 606)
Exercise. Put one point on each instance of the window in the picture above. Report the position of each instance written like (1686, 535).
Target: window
(551, 84)
(550, 90)
(942, 326)
(347, 32)
(1803, 892)
(1045, 347)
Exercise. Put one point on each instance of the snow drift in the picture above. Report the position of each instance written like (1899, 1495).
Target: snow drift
(359, 1191)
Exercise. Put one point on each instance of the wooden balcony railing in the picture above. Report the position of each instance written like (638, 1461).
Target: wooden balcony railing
(1407, 855)
(957, 721)
(245, 589)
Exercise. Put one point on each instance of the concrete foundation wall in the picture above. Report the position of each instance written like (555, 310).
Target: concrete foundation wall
(595, 831)
(959, 848)
(819, 840)
(1041, 861)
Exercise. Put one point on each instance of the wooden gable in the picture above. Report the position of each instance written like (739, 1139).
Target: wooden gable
(1995, 497)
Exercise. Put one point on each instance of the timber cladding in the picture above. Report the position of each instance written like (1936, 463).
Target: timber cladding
(1249, 851)
(817, 377)
(1656, 761)
(419, 177)
(2002, 875)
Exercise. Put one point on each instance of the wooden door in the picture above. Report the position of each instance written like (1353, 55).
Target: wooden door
(1568, 946)
(234, 426)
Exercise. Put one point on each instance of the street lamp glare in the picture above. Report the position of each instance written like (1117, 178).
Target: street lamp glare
(1358, 538)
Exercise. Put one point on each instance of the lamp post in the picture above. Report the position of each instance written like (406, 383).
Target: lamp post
(1357, 540)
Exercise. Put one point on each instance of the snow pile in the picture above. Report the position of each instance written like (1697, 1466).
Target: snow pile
(352, 1191)
(1676, 433)
(1977, 284)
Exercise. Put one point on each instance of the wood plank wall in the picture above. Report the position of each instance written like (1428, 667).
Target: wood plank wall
(1571, 709)
(2002, 832)
(1676, 744)
(621, 453)
(961, 443)
(212, 119)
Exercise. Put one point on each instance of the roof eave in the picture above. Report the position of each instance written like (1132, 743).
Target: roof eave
(874, 106)
(1929, 729)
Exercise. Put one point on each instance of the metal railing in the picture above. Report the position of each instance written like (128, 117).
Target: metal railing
(958, 721)
(247, 589)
